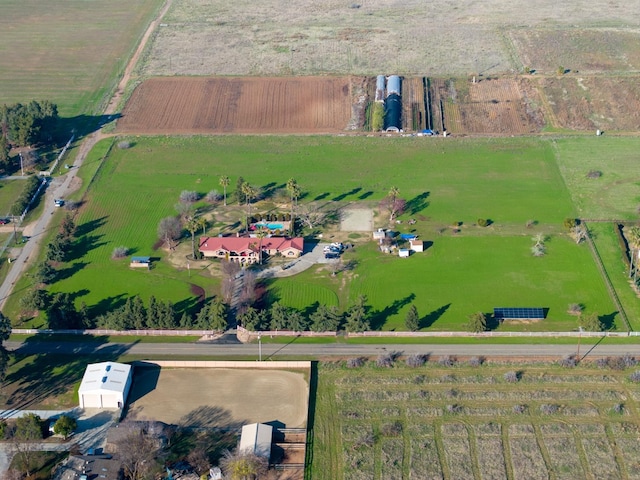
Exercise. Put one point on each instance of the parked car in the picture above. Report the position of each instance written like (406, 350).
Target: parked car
(4, 221)
(58, 202)
(331, 255)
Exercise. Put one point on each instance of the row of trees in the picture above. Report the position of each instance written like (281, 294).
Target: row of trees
(23, 125)
(28, 191)
(135, 315)
(324, 318)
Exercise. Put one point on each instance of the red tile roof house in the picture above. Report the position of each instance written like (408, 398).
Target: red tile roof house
(245, 250)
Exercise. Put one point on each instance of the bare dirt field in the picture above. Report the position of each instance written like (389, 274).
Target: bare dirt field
(369, 37)
(239, 105)
(219, 398)
(357, 220)
(594, 102)
(497, 106)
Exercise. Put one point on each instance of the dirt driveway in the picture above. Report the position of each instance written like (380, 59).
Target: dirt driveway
(219, 397)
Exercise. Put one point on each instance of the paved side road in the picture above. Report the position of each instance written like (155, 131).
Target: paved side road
(305, 350)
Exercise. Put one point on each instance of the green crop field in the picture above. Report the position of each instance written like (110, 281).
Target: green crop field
(473, 422)
(509, 181)
(69, 52)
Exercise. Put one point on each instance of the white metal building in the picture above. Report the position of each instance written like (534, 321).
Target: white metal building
(256, 438)
(105, 385)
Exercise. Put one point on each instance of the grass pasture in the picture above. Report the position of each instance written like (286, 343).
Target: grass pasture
(616, 194)
(459, 422)
(69, 52)
(495, 271)
(582, 50)
(205, 38)
(507, 180)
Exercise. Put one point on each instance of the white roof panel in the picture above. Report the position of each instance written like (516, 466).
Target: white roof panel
(256, 438)
(105, 377)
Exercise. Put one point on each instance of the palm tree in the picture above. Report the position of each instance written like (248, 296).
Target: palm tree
(224, 182)
(193, 225)
(294, 191)
(261, 233)
(202, 223)
(249, 193)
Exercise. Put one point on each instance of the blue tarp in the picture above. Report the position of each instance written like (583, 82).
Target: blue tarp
(408, 236)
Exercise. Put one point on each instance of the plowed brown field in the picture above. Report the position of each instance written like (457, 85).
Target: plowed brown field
(238, 105)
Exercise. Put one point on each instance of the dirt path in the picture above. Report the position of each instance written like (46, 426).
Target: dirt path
(63, 186)
(115, 100)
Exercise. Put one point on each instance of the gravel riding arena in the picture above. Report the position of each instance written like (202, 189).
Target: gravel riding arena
(239, 105)
(218, 397)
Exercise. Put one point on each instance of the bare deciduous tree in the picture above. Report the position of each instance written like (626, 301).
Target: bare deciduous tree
(137, 452)
(229, 272)
(311, 216)
(169, 229)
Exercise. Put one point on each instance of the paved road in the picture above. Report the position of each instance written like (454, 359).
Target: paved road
(58, 188)
(301, 350)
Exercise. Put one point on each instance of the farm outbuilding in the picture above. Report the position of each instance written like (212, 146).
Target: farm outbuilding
(105, 385)
(140, 262)
(380, 84)
(393, 85)
(393, 113)
(256, 438)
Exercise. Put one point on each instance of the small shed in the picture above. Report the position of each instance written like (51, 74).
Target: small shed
(380, 84)
(140, 262)
(416, 245)
(404, 253)
(105, 385)
(379, 234)
(256, 438)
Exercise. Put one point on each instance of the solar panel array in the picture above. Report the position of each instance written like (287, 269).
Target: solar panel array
(518, 313)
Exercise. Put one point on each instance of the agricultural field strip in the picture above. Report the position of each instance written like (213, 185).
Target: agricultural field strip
(536, 444)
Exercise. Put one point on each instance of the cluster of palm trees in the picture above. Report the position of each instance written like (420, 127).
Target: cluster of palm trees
(250, 193)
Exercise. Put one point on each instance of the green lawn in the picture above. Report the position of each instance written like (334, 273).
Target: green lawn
(614, 195)
(69, 53)
(509, 181)
(10, 190)
(494, 270)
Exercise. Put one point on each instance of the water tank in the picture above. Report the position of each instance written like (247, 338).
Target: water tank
(393, 85)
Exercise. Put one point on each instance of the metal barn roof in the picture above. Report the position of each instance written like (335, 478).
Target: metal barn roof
(256, 438)
(105, 376)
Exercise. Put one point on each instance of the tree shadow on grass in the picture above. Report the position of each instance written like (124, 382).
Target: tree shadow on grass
(36, 378)
(107, 305)
(90, 226)
(433, 317)
(64, 273)
(84, 245)
(379, 317)
(609, 321)
(417, 204)
(322, 196)
(347, 194)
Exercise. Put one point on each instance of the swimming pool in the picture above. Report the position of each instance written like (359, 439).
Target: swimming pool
(270, 226)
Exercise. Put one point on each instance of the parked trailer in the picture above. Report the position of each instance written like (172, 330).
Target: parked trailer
(380, 84)
(393, 85)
